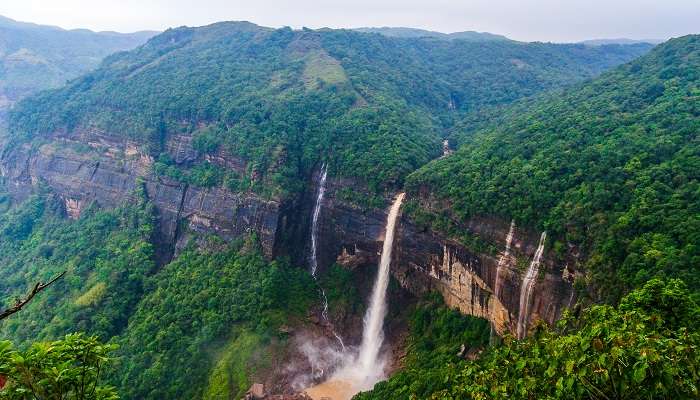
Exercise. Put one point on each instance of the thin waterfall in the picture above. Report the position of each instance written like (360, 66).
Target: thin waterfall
(527, 287)
(502, 261)
(314, 221)
(373, 333)
(313, 259)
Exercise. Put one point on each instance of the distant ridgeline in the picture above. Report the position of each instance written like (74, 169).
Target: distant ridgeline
(374, 107)
(36, 57)
(608, 168)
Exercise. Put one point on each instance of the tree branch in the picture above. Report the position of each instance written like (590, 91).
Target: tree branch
(23, 302)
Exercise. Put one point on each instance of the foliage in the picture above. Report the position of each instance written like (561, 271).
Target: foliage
(341, 290)
(107, 255)
(284, 101)
(67, 369)
(36, 57)
(229, 379)
(647, 348)
(169, 322)
(610, 167)
(202, 175)
(437, 334)
(193, 304)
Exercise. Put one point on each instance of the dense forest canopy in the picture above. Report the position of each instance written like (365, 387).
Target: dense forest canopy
(647, 348)
(609, 166)
(374, 107)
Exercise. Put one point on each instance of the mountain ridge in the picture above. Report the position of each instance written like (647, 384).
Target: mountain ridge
(405, 32)
(35, 57)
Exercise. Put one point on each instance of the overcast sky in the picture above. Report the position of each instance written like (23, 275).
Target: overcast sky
(544, 20)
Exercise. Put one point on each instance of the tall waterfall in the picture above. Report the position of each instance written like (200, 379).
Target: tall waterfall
(367, 368)
(373, 334)
(527, 286)
(313, 259)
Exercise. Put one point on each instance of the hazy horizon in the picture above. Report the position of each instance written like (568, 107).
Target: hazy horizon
(526, 21)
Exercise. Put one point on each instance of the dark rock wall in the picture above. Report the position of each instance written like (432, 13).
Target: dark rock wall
(91, 167)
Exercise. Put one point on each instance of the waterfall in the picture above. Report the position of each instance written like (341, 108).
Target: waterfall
(502, 261)
(527, 287)
(361, 372)
(314, 221)
(313, 259)
(497, 283)
(373, 334)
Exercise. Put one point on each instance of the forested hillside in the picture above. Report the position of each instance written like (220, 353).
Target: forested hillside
(281, 99)
(609, 167)
(37, 57)
(181, 329)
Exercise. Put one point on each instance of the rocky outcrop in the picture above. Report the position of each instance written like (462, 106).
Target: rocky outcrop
(95, 167)
(468, 280)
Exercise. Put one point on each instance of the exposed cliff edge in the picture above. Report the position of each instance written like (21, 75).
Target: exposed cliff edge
(94, 166)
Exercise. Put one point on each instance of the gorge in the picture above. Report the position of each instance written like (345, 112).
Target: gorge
(221, 196)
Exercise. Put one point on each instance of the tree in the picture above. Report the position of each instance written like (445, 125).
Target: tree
(23, 302)
(67, 369)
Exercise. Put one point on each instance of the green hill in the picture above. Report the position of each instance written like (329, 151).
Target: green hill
(373, 107)
(401, 32)
(36, 57)
(609, 168)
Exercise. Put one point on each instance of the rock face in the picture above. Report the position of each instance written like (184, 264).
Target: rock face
(468, 280)
(94, 167)
(87, 167)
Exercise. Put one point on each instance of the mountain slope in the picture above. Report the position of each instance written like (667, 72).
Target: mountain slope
(400, 32)
(282, 99)
(36, 57)
(609, 169)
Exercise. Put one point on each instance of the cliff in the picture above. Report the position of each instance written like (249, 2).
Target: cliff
(95, 167)
(91, 166)
(426, 260)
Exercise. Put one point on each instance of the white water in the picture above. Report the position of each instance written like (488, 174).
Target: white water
(314, 249)
(373, 334)
(527, 287)
(504, 258)
(314, 220)
(362, 372)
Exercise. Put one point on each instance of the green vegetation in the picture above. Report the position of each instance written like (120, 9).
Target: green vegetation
(170, 346)
(437, 336)
(647, 348)
(36, 57)
(106, 254)
(341, 291)
(230, 377)
(172, 324)
(370, 106)
(67, 369)
(610, 166)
